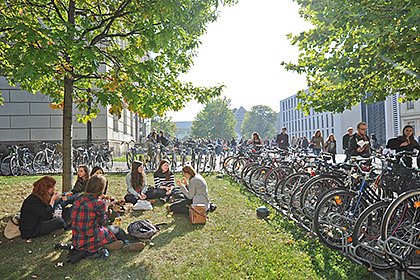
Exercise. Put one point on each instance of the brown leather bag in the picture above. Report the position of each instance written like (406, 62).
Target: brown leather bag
(198, 214)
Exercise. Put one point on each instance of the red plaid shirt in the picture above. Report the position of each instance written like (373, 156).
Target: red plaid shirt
(87, 219)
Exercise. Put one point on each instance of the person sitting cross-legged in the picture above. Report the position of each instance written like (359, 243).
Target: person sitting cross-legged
(89, 217)
(195, 191)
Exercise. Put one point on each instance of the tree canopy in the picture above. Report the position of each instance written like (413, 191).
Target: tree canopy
(114, 53)
(215, 121)
(261, 119)
(358, 51)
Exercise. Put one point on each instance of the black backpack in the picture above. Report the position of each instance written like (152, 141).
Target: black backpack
(142, 229)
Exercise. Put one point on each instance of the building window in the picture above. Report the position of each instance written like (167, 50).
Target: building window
(410, 105)
(125, 123)
(115, 121)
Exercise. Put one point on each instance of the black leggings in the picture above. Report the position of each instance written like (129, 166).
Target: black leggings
(118, 232)
(51, 225)
(181, 206)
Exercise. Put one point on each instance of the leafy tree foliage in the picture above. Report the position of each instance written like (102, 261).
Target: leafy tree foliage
(165, 124)
(113, 53)
(358, 51)
(261, 119)
(215, 121)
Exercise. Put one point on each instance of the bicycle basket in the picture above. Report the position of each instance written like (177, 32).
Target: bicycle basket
(397, 178)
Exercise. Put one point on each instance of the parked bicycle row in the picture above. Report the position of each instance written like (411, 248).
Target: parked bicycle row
(203, 156)
(48, 158)
(369, 208)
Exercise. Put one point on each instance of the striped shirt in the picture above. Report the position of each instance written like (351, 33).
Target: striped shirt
(160, 179)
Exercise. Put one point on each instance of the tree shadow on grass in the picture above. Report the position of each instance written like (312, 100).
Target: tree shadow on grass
(179, 226)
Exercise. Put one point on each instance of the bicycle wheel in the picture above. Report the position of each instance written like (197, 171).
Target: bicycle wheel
(366, 237)
(400, 230)
(312, 189)
(108, 161)
(15, 169)
(296, 180)
(57, 159)
(228, 164)
(38, 164)
(256, 180)
(5, 166)
(336, 215)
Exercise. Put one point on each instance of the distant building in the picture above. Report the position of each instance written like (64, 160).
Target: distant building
(27, 118)
(239, 117)
(382, 119)
(410, 114)
(183, 130)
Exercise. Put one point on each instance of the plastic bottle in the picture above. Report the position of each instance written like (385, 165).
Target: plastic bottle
(117, 221)
(58, 211)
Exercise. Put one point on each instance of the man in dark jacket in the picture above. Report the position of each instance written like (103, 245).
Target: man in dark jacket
(346, 140)
(283, 139)
(359, 144)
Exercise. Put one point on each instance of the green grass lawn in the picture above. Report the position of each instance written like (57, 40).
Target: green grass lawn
(234, 244)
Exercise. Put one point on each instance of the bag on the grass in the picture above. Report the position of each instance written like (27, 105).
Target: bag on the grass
(142, 229)
(198, 214)
(143, 205)
(12, 227)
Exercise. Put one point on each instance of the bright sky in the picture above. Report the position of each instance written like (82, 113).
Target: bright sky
(243, 50)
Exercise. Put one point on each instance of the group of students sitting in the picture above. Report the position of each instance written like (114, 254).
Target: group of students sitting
(85, 207)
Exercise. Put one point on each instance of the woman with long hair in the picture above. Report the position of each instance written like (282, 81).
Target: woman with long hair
(82, 179)
(195, 191)
(405, 142)
(136, 183)
(37, 210)
(89, 218)
(330, 146)
(317, 142)
(164, 180)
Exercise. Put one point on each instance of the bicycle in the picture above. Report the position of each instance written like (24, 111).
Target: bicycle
(49, 158)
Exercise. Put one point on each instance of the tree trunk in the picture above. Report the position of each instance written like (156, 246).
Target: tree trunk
(67, 134)
(68, 114)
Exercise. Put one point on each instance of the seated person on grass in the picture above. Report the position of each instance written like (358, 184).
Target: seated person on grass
(89, 217)
(37, 210)
(195, 191)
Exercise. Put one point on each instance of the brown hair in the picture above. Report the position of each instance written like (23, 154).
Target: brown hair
(167, 173)
(188, 169)
(96, 185)
(41, 188)
(86, 169)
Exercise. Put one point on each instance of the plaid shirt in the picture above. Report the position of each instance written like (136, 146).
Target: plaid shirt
(87, 219)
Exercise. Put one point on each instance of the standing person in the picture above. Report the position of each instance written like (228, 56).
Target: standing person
(405, 142)
(374, 141)
(255, 141)
(195, 191)
(164, 180)
(282, 139)
(317, 142)
(162, 139)
(37, 210)
(346, 140)
(359, 144)
(82, 179)
(89, 218)
(330, 146)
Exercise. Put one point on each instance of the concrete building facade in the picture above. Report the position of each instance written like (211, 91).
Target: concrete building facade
(27, 118)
